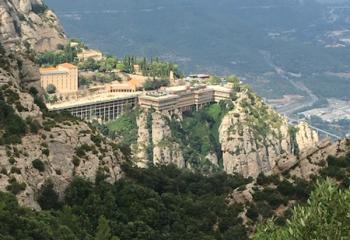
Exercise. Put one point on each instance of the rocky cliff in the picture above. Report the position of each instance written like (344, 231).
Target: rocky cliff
(29, 23)
(154, 142)
(37, 147)
(255, 137)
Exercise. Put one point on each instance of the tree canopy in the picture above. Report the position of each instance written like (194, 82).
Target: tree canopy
(325, 216)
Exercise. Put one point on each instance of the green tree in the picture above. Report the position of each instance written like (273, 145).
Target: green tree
(104, 230)
(48, 198)
(325, 216)
(214, 80)
(51, 89)
(233, 79)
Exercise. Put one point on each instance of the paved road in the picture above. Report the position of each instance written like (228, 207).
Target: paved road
(329, 134)
(289, 109)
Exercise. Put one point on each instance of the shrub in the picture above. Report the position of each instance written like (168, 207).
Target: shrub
(286, 188)
(45, 151)
(340, 162)
(302, 189)
(48, 197)
(20, 107)
(34, 126)
(33, 91)
(3, 171)
(16, 152)
(76, 161)
(253, 213)
(49, 124)
(39, 165)
(51, 89)
(12, 160)
(96, 139)
(40, 103)
(15, 170)
(14, 127)
(155, 84)
(15, 187)
(325, 216)
(82, 150)
(272, 196)
(39, 8)
(264, 209)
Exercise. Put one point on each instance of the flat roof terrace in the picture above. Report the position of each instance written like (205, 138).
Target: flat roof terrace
(92, 99)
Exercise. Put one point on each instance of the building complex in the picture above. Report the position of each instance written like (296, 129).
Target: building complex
(102, 107)
(85, 54)
(107, 102)
(184, 98)
(64, 77)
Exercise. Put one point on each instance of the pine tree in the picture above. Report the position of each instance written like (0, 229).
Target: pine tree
(104, 230)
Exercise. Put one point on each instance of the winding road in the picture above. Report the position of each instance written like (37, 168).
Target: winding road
(289, 109)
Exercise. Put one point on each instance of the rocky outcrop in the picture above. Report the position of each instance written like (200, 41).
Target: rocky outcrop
(154, 144)
(25, 23)
(313, 159)
(164, 150)
(57, 150)
(143, 141)
(239, 196)
(255, 137)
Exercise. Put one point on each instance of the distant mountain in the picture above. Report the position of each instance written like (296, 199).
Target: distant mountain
(273, 44)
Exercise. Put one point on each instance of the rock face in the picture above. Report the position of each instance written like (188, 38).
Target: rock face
(63, 149)
(154, 144)
(314, 158)
(254, 138)
(29, 22)
(56, 149)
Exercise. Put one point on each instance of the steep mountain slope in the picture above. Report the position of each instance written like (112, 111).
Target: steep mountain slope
(254, 137)
(29, 22)
(240, 136)
(38, 148)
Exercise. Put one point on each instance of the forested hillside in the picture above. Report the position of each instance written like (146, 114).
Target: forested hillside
(168, 203)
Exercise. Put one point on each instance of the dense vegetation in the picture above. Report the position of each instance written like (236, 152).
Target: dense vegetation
(155, 84)
(325, 216)
(272, 192)
(156, 203)
(12, 126)
(168, 203)
(53, 58)
(152, 67)
(124, 129)
(3, 60)
(198, 134)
